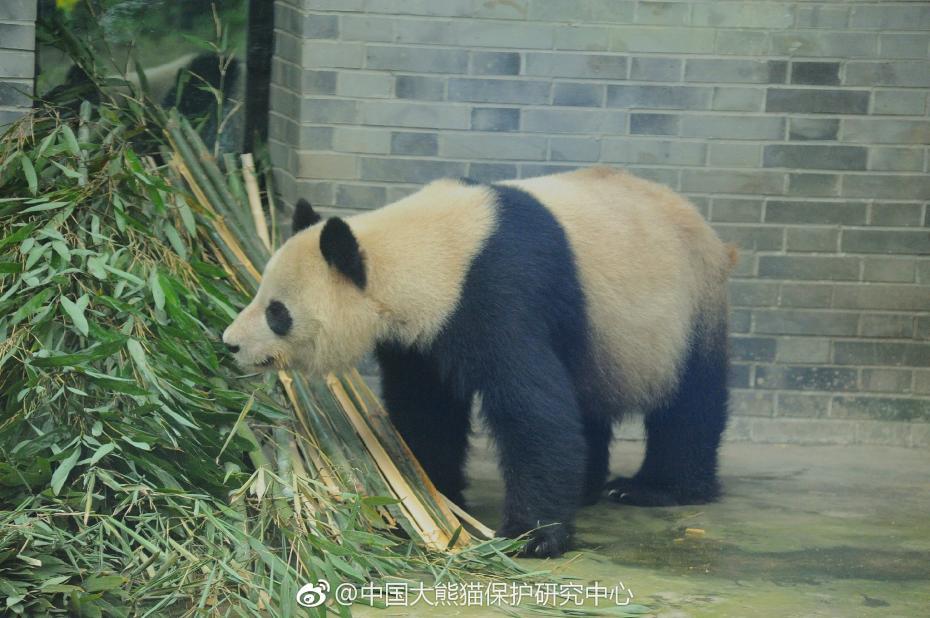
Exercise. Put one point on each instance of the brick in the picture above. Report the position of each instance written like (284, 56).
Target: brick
(20, 10)
(317, 82)
(812, 239)
(728, 154)
(333, 5)
(851, 213)
(890, 17)
(922, 385)
(822, 16)
(809, 129)
(367, 28)
(419, 88)
(883, 432)
(15, 94)
(884, 325)
(813, 185)
(662, 13)
(751, 237)
(733, 127)
(512, 35)
(419, 115)
(752, 293)
(660, 175)
(574, 149)
(322, 193)
(419, 31)
(578, 94)
(495, 119)
(815, 157)
(880, 408)
(314, 138)
(881, 241)
(581, 37)
(316, 26)
(738, 375)
(806, 295)
(16, 64)
(327, 54)
(722, 181)
(328, 111)
(532, 170)
(17, 36)
(360, 196)
(751, 403)
(446, 8)
(752, 348)
(736, 99)
(653, 124)
(413, 143)
(802, 406)
(667, 40)
(815, 73)
(806, 350)
(417, 171)
(896, 160)
(498, 91)
(659, 97)
(489, 146)
(740, 320)
(364, 85)
(653, 151)
(922, 331)
(889, 270)
(881, 353)
(883, 297)
(566, 64)
(898, 73)
(768, 15)
(923, 272)
(559, 10)
(802, 322)
(492, 172)
(802, 378)
(736, 210)
(326, 165)
(900, 45)
(652, 69)
(897, 215)
(361, 139)
(515, 9)
(809, 268)
(391, 58)
(495, 63)
(824, 44)
(887, 186)
(817, 101)
(612, 11)
(886, 131)
(736, 71)
(598, 122)
(899, 102)
(742, 42)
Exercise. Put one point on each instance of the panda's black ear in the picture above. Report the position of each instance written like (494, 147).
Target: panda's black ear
(304, 216)
(341, 250)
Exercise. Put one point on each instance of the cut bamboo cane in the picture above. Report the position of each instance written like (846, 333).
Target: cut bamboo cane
(255, 199)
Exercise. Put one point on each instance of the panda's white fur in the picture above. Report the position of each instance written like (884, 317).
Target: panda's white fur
(626, 281)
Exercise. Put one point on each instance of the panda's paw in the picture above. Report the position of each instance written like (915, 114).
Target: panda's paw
(549, 541)
(626, 490)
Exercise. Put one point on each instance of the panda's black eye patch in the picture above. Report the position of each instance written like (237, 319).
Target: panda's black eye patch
(278, 318)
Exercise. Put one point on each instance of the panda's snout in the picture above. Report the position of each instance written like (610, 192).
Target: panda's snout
(232, 347)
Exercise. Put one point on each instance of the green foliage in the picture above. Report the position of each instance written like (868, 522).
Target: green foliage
(129, 481)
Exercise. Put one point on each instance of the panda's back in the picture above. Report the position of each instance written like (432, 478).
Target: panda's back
(649, 266)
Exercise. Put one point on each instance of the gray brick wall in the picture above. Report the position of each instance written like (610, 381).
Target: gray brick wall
(17, 57)
(800, 129)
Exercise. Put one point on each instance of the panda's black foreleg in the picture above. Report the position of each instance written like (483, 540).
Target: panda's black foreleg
(434, 421)
(534, 419)
(598, 432)
(683, 437)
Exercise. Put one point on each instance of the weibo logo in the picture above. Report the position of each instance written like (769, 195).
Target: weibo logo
(313, 595)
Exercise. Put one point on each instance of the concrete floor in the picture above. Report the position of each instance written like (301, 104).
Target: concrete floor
(801, 531)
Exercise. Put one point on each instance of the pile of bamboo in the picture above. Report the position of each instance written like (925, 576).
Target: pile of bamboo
(347, 441)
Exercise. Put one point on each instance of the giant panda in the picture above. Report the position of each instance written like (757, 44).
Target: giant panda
(562, 301)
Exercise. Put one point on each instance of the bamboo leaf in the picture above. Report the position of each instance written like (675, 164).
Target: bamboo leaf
(75, 311)
(30, 172)
(60, 475)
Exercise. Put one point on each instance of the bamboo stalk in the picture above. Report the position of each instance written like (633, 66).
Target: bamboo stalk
(255, 200)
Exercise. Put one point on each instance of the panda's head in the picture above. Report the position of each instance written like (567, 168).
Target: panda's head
(311, 311)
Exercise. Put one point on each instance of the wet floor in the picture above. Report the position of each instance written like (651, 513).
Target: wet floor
(801, 531)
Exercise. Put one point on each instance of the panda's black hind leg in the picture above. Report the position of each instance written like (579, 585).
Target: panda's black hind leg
(683, 436)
